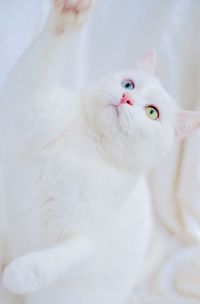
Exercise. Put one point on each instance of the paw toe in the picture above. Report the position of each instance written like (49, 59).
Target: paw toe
(73, 6)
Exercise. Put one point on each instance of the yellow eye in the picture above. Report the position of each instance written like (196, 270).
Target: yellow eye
(152, 112)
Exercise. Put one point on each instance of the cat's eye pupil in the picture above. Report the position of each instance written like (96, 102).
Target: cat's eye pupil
(152, 112)
(128, 84)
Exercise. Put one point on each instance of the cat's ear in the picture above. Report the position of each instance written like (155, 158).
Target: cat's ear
(147, 63)
(186, 123)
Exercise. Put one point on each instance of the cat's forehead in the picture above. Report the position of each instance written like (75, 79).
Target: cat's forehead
(140, 78)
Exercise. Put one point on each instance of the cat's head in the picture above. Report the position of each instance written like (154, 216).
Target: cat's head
(135, 119)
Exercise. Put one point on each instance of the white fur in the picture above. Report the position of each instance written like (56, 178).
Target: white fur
(71, 169)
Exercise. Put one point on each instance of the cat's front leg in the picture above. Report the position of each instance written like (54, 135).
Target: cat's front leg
(41, 66)
(36, 270)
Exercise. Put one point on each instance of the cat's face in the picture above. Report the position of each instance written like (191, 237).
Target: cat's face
(134, 117)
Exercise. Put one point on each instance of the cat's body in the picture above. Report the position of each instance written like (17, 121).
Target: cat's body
(73, 197)
(76, 190)
(76, 231)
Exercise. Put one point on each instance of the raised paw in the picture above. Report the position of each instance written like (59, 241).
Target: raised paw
(70, 13)
(22, 276)
(73, 6)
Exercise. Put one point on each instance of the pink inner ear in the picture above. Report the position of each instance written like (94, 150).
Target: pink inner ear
(186, 123)
(147, 62)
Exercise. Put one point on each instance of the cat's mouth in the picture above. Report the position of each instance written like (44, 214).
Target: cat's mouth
(122, 118)
(115, 109)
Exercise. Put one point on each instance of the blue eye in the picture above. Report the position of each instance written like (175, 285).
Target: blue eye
(128, 84)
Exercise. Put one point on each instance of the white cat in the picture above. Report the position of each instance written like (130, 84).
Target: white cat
(71, 165)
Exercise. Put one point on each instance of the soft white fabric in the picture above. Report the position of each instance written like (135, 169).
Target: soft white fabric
(119, 32)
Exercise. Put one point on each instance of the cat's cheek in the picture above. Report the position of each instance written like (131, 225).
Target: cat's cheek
(165, 142)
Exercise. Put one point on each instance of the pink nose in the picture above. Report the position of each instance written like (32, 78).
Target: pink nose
(126, 98)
